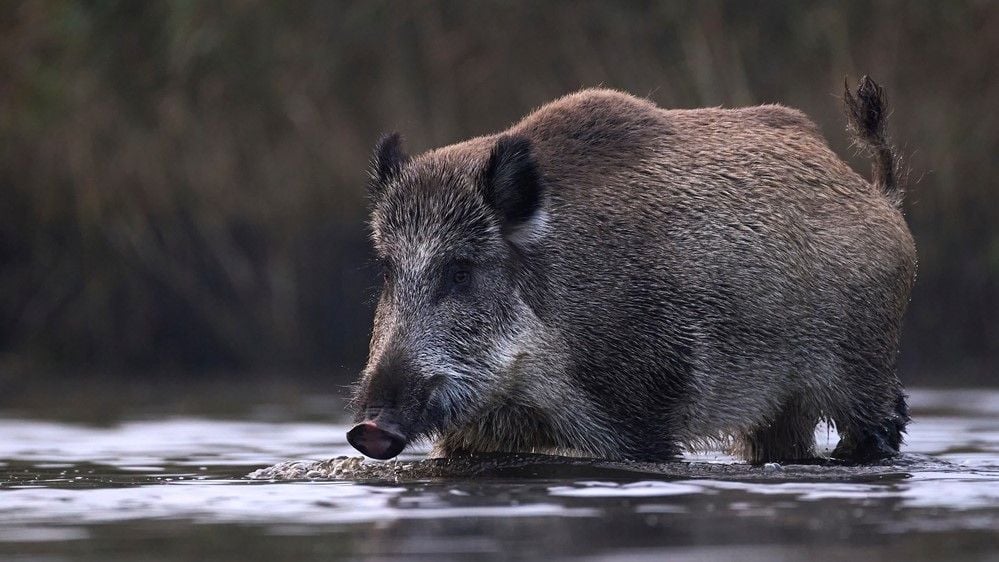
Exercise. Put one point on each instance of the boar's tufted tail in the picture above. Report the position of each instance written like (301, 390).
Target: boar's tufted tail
(867, 118)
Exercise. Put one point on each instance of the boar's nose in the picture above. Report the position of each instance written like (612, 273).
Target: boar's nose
(380, 440)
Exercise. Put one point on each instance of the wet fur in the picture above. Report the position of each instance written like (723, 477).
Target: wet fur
(685, 278)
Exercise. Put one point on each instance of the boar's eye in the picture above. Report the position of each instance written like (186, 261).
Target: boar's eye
(458, 277)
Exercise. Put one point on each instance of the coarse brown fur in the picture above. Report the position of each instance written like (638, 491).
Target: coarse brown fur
(608, 278)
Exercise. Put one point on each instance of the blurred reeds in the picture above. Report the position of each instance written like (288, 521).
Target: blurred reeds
(181, 183)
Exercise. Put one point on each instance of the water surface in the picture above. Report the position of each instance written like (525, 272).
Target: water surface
(165, 488)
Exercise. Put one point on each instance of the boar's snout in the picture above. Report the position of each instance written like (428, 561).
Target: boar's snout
(383, 429)
(379, 437)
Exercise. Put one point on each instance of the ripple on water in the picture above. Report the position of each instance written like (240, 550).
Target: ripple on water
(641, 489)
(59, 480)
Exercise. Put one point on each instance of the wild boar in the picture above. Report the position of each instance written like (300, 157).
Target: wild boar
(610, 279)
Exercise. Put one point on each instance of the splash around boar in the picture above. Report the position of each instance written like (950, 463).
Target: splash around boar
(610, 279)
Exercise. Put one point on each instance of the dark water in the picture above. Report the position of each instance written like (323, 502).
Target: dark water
(175, 489)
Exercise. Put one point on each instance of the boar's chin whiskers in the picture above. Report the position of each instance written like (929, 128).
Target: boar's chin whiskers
(355, 391)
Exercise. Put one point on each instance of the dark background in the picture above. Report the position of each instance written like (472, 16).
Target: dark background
(182, 183)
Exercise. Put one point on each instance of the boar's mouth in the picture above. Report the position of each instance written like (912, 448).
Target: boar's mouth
(379, 437)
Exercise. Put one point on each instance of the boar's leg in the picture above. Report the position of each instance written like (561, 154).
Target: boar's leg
(864, 441)
(789, 436)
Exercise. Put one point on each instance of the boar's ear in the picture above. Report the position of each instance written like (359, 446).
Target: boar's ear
(512, 186)
(386, 163)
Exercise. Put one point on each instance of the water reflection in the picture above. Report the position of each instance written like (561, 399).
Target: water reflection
(107, 493)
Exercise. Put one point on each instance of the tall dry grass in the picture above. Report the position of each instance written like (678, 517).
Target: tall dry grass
(181, 183)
